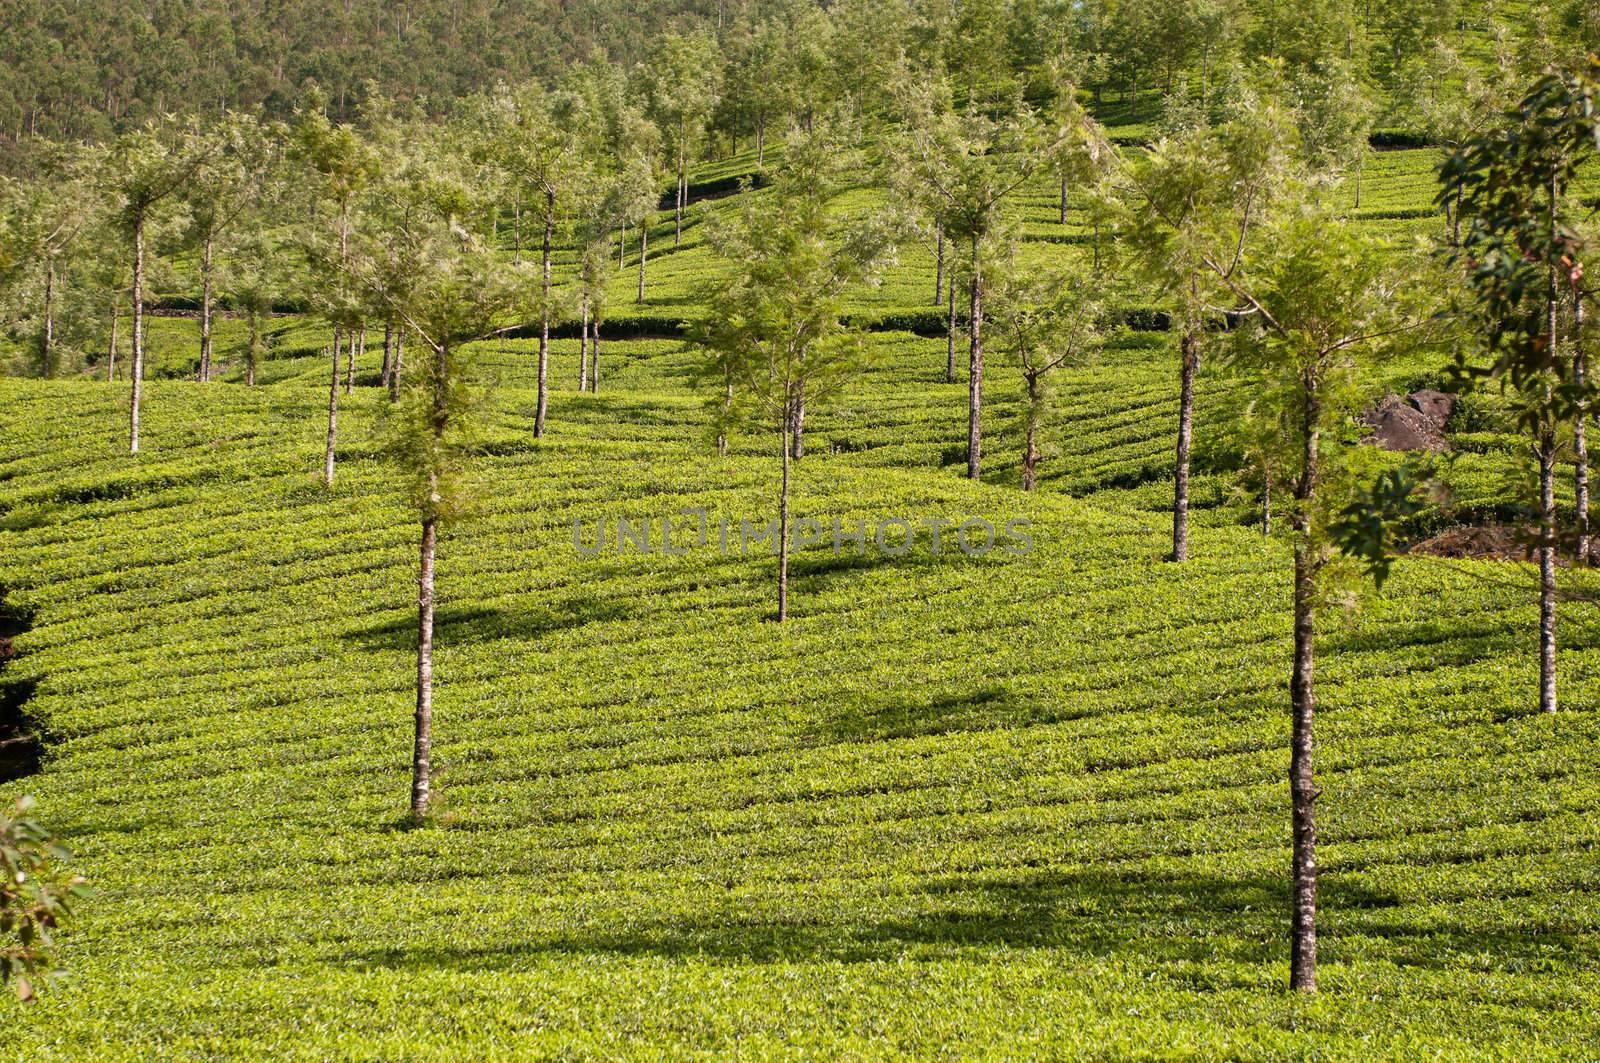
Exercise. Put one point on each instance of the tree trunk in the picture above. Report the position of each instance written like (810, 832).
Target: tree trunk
(594, 356)
(797, 441)
(975, 373)
(516, 227)
(137, 369)
(350, 364)
(388, 351)
(1580, 445)
(783, 525)
(761, 143)
(1063, 197)
(938, 269)
(1302, 697)
(1547, 566)
(394, 370)
(727, 405)
(421, 753)
(253, 354)
(1266, 503)
(583, 344)
(950, 335)
(205, 310)
(47, 340)
(333, 413)
(644, 251)
(1030, 445)
(111, 348)
(1190, 359)
(1547, 506)
(677, 239)
(544, 321)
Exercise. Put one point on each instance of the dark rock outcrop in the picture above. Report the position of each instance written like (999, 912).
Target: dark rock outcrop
(1415, 422)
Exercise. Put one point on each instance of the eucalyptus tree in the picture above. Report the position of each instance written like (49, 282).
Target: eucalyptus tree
(341, 165)
(1084, 153)
(1334, 113)
(225, 189)
(761, 86)
(146, 170)
(544, 141)
(42, 221)
(960, 169)
(775, 332)
(1524, 261)
(1189, 216)
(682, 80)
(445, 283)
(256, 278)
(1321, 307)
(1046, 322)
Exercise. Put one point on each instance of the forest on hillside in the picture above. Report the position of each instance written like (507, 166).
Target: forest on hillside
(91, 69)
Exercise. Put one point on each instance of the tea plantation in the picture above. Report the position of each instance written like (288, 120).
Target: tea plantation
(1010, 806)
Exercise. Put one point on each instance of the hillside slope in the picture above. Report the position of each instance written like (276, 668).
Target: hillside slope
(1005, 806)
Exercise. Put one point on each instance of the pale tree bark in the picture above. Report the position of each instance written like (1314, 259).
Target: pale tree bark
(950, 336)
(47, 340)
(783, 522)
(388, 352)
(1266, 503)
(1546, 452)
(350, 364)
(975, 373)
(544, 320)
(399, 359)
(1189, 358)
(333, 386)
(644, 252)
(422, 747)
(677, 239)
(205, 310)
(1030, 443)
(1063, 218)
(1302, 696)
(727, 405)
(583, 343)
(797, 440)
(253, 353)
(111, 348)
(1580, 444)
(333, 412)
(938, 268)
(137, 368)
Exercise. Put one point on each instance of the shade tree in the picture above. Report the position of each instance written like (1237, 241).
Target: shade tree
(775, 337)
(1189, 219)
(959, 170)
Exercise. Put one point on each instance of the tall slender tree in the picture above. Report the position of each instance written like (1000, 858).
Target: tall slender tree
(146, 169)
(1191, 209)
(1324, 304)
(342, 166)
(776, 336)
(961, 169)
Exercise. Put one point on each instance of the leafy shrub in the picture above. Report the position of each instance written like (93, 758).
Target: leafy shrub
(37, 893)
